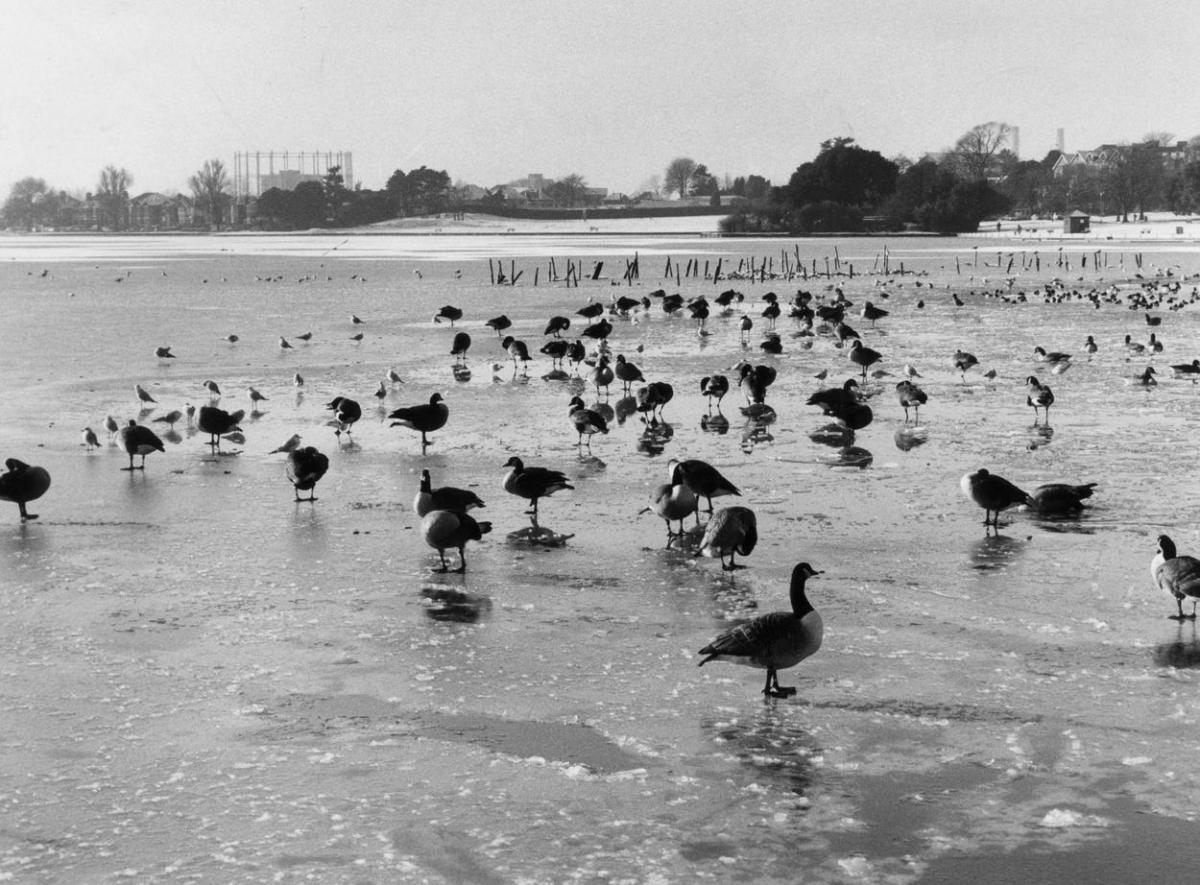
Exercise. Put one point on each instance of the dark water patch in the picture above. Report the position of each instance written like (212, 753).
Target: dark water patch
(939, 712)
(573, 744)
(451, 604)
(446, 852)
(292, 861)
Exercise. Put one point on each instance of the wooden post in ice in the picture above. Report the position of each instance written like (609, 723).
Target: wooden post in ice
(717, 272)
(491, 272)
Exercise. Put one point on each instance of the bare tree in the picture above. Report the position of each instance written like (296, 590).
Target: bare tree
(679, 175)
(1162, 139)
(209, 190)
(113, 194)
(977, 150)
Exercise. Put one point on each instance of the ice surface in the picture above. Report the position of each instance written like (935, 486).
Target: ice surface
(206, 680)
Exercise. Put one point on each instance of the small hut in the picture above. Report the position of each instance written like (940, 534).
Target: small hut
(1078, 222)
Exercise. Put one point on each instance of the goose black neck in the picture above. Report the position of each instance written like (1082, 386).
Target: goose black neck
(800, 604)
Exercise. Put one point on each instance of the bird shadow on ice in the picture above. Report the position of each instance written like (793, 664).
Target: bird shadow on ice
(908, 438)
(770, 743)
(539, 536)
(1183, 653)
(444, 602)
(717, 424)
(994, 551)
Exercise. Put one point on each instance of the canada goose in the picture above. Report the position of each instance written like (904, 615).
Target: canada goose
(871, 312)
(599, 331)
(830, 399)
(556, 349)
(138, 440)
(1054, 356)
(442, 530)
(1059, 498)
(1134, 347)
(345, 412)
(1177, 575)
(462, 343)
(754, 381)
(217, 422)
(774, 641)
(714, 387)
(443, 498)
(517, 350)
(424, 418)
(448, 312)
(1145, 378)
(992, 493)
(1090, 345)
(575, 353)
(532, 483)
(557, 325)
(305, 467)
(499, 324)
(653, 397)
(591, 310)
(771, 344)
(963, 361)
(22, 483)
(586, 421)
(627, 373)
(863, 357)
(1039, 396)
(672, 501)
(702, 478)
(731, 530)
(911, 396)
(602, 375)
(164, 353)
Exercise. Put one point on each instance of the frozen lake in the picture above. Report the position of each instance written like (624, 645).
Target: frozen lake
(205, 681)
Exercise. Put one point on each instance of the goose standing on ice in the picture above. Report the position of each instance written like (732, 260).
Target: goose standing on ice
(731, 530)
(586, 421)
(448, 498)
(305, 467)
(774, 641)
(443, 530)
(672, 501)
(702, 478)
(533, 483)
(992, 493)
(345, 413)
(217, 422)
(22, 483)
(138, 440)
(1178, 575)
(424, 418)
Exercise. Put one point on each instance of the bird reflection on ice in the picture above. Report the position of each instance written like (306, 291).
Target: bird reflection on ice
(994, 551)
(1183, 653)
(770, 744)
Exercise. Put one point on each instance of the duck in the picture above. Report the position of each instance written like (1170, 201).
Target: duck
(460, 346)
(731, 530)
(1039, 396)
(448, 312)
(448, 498)
(138, 440)
(587, 422)
(1178, 575)
(217, 422)
(21, 483)
(1060, 498)
(557, 325)
(443, 530)
(911, 396)
(499, 324)
(345, 413)
(305, 467)
(672, 501)
(702, 478)
(863, 356)
(424, 418)
(775, 641)
(714, 387)
(533, 483)
(993, 493)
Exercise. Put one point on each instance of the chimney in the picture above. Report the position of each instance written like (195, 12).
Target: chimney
(1016, 142)
(1060, 143)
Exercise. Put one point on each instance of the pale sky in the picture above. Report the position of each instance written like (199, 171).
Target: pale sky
(610, 89)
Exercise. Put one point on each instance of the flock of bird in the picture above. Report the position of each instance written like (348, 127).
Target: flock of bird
(774, 641)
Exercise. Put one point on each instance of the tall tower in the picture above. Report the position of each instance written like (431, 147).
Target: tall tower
(1060, 142)
(1016, 142)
